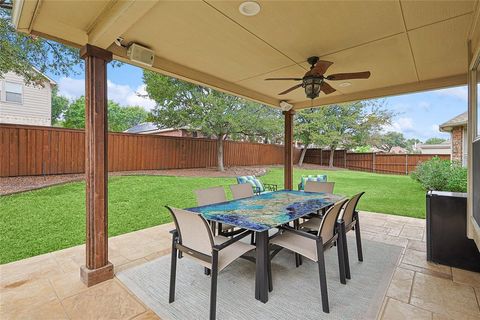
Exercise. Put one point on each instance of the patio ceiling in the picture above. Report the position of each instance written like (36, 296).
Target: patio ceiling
(407, 45)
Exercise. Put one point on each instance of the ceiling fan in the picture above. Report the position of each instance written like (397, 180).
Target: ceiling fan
(314, 80)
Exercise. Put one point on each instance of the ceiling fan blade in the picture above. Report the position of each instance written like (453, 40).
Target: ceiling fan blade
(348, 76)
(321, 67)
(326, 88)
(296, 79)
(291, 89)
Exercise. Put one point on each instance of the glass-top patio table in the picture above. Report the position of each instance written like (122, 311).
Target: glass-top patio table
(262, 213)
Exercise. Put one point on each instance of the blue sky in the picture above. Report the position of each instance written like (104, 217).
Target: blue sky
(418, 114)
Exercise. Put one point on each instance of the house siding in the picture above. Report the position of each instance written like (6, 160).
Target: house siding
(35, 108)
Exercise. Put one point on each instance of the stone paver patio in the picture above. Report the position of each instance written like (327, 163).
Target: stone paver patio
(48, 286)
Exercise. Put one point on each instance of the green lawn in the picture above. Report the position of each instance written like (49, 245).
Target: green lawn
(50, 219)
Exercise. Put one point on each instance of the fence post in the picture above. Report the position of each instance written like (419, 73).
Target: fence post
(345, 159)
(321, 157)
(373, 161)
(406, 164)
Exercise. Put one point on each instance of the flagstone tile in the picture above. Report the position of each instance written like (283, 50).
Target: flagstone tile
(430, 272)
(419, 259)
(24, 295)
(416, 245)
(401, 285)
(149, 315)
(397, 310)
(466, 277)
(52, 310)
(37, 267)
(130, 264)
(108, 300)
(68, 284)
(412, 232)
(444, 296)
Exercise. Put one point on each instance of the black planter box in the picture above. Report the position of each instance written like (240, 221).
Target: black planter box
(447, 241)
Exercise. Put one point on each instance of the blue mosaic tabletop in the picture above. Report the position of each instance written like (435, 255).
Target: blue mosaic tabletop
(268, 210)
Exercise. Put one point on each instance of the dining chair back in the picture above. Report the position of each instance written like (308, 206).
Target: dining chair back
(210, 196)
(194, 238)
(349, 210)
(317, 186)
(349, 220)
(194, 231)
(240, 191)
(329, 221)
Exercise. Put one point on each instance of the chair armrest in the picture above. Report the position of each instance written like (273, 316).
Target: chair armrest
(231, 241)
(270, 186)
(299, 232)
(174, 232)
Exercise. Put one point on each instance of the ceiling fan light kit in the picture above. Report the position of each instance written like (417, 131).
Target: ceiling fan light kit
(314, 80)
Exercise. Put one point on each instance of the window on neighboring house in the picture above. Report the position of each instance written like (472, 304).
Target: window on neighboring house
(13, 92)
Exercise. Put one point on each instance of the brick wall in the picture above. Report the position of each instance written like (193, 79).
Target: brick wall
(457, 144)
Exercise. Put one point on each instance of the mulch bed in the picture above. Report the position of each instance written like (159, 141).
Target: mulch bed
(13, 185)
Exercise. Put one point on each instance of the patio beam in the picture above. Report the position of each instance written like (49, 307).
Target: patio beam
(288, 147)
(97, 268)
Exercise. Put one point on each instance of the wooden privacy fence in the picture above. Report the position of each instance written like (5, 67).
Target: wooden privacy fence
(31, 150)
(370, 162)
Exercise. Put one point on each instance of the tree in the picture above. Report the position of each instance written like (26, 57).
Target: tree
(389, 140)
(343, 125)
(434, 140)
(119, 118)
(215, 114)
(59, 106)
(27, 54)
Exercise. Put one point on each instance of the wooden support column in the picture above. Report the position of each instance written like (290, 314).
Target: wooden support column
(288, 161)
(97, 267)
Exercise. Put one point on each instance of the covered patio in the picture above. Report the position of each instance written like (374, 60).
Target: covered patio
(49, 286)
(407, 46)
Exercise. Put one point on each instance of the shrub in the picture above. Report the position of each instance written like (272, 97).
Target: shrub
(441, 175)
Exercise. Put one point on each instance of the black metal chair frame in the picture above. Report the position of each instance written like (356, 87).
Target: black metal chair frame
(178, 249)
(321, 248)
(354, 225)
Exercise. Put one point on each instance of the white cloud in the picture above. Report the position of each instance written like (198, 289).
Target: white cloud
(425, 105)
(402, 124)
(120, 93)
(456, 92)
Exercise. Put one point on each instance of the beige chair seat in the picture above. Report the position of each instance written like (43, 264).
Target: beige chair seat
(311, 224)
(297, 243)
(227, 255)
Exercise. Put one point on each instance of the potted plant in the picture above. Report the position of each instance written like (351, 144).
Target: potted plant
(446, 208)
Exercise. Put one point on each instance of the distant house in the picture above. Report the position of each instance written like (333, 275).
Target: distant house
(457, 127)
(441, 148)
(398, 150)
(25, 104)
(152, 128)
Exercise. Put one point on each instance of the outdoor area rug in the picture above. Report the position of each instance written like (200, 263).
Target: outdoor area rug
(296, 291)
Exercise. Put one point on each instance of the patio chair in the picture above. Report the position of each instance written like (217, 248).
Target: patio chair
(313, 246)
(317, 186)
(211, 196)
(257, 185)
(348, 220)
(193, 237)
(304, 179)
(240, 191)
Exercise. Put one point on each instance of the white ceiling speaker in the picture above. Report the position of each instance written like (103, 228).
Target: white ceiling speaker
(285, 106)
(140, 54)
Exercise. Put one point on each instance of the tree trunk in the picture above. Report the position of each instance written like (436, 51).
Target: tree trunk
(330, 162)
(220, 153)
(302, 156)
